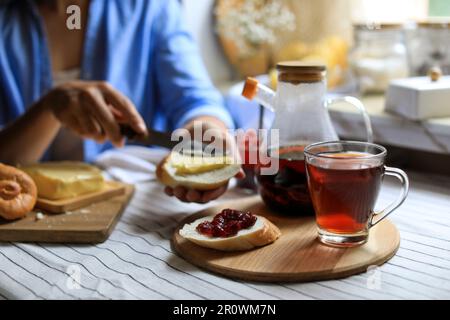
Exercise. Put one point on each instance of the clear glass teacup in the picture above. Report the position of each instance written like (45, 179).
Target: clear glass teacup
(344, 180)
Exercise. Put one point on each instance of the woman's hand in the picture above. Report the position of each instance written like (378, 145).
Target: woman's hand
(93, 109)
(220, 129)
(192, 195)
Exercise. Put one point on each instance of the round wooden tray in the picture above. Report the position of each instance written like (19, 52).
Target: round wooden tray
(296, 256)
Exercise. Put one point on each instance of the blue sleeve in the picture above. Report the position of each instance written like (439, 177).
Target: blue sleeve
(184, 88)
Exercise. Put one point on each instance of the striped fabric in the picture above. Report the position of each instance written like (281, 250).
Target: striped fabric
(138, 263)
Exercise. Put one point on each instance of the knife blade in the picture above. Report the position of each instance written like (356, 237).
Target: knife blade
(152, 138)
(164, 139)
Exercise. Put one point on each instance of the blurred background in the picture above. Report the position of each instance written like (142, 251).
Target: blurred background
(300, 36)
(366, 45)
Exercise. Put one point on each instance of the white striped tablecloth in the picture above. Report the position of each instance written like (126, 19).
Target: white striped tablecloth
(138, 263)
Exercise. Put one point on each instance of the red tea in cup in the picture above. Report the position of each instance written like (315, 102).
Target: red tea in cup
(344, 179)
(344, 193)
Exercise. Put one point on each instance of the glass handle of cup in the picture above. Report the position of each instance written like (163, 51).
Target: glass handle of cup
(401, 175)
(362, 110)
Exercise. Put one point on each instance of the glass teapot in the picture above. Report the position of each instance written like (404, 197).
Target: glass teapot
(301, 118)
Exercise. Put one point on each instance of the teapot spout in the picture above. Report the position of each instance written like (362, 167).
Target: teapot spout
(254, 90)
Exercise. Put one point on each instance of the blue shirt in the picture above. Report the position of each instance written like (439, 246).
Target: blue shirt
(141, 47)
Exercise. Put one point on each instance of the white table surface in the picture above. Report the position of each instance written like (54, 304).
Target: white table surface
(138, 263)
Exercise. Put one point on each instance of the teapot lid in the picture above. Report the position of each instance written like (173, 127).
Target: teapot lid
(298, 72)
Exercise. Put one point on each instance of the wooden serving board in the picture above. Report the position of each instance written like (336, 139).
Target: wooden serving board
(90, 224)
(111, 189)
(297, 256)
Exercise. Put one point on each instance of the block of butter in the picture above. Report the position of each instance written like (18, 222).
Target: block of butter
(63, 180)
(185, 164)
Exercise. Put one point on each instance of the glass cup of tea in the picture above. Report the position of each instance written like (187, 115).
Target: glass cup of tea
(344, 179)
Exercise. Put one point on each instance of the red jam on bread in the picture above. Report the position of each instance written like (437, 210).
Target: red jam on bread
(227, 223)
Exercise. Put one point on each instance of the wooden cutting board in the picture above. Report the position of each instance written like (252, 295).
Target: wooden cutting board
(297, 256)
(90, 224)
(111, 189)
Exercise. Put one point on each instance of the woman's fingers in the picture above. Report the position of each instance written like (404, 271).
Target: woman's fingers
(72, 122)
(180, 193)
(183, 194)
(99, 109)
(191, 195)
(90, 128)
(213, 194)
(125, 107)
(168, 191)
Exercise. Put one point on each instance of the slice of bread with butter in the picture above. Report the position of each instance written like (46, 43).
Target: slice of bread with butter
(197, 172)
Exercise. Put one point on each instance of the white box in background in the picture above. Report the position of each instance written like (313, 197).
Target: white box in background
(419, 98)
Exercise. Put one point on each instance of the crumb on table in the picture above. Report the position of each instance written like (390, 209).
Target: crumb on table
(39, 216)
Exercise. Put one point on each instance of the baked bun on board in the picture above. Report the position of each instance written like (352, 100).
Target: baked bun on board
(18, 193)
(263, 232)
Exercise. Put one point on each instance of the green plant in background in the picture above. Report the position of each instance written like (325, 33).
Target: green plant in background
(439, 8)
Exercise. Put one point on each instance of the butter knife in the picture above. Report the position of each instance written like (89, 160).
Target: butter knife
(153, 138)
(163, 139)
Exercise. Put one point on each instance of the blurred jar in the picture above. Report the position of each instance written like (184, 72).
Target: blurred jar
(429, 46)
(378, 56)
(322, 36)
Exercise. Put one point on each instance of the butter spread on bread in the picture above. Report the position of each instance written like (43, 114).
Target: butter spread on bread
(197, 172)
(186, 164)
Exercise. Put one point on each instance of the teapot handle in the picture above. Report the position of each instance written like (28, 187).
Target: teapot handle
(360, 106)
